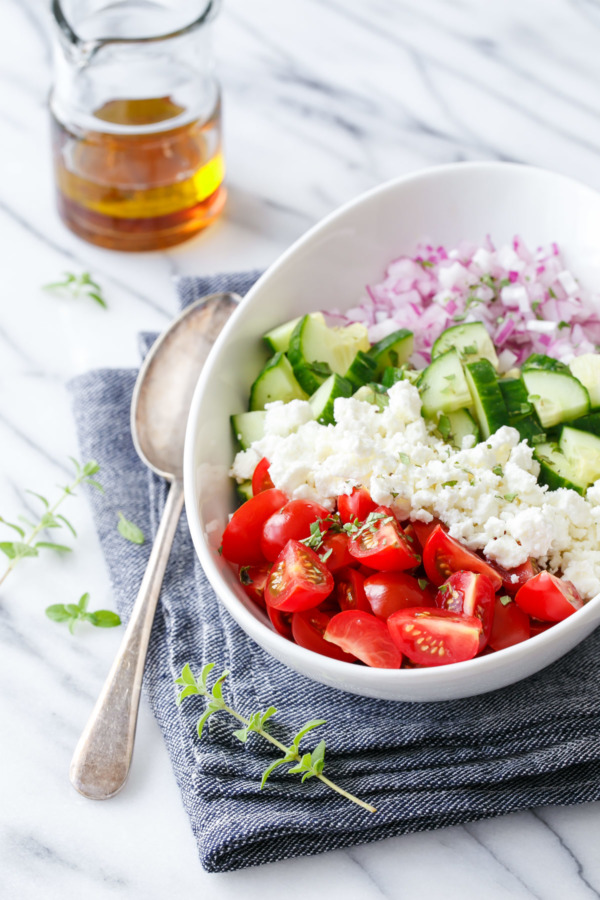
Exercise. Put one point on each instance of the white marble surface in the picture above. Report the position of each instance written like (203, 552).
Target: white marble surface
(322, 100)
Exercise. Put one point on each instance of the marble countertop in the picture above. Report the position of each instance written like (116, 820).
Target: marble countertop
(318, 108)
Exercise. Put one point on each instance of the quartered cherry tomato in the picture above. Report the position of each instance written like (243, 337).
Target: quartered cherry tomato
(290, 523)
(548, 598)
(510, 626)
(281, 622)
(242, 536)
(298, 580)
(334, 552)
(471, 594)
(356, 505)
(365, 636)
(442, 555)
(308, 628)
(261, 479)
(350, 591)
(538, 627)
(424, 529)
(381, 544)
(435, 637)
(253, 580)
(387, 592)
(513, 579)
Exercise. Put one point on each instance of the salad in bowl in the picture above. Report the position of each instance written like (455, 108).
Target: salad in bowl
(417, 465)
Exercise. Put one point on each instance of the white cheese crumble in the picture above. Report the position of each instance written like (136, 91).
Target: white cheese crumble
(487, 495)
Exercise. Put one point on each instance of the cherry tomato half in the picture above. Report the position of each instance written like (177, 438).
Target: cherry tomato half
(435, 637)
(261, 479)
(387, 592)
(242, 536)
(253, 580)
(290, 523)
(442, 555)
(511, 624)
(334, 552)
(471, 594)
(281, 622)
(365, 636)
(548, 598)
(308, 628)
(298, 579)
(350, 591)
(356, 505)
(424, 529)
(381, 544)
(513, 579)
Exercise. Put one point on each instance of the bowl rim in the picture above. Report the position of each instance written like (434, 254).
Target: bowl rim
(298, 657)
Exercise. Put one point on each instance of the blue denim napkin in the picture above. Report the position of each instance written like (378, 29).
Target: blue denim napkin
(422, 765)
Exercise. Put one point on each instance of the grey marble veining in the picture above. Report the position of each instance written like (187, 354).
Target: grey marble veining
(323, 100)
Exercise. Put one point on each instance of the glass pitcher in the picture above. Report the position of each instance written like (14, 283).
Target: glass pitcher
(136, 121)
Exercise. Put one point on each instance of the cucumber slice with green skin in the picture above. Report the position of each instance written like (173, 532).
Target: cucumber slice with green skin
(374, 394)
(278, 339)
(323, 399)
(589, 423)
(362, 370)
(556, 396)
(454, 426)
(546, 363)
(582, 451)
(521, 414)
(249, 427)
(244, 491)
(586, 368)
(443, 387)
(471, 341)
(393, 350)
(317, 351)
(490, 408)
(275, 382)
(555, 469)
(391, 375)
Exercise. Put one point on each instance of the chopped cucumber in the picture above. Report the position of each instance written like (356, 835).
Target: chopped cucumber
(249, 427)
(361, 370)
(278, 339)
(393, 350)
(490, 408)
(521, 414)
(443, 387)
(374, 394)
(244, 490)
(556, 395)
(391, 375)
(555, 469)
(471, 341)
(317, 351)
(582, 450)
(275, 382)
(589, 423)
(323, 399)
(454, 426)
(547, 363)
(586, 368)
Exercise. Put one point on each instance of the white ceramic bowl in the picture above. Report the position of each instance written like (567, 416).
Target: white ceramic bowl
(329, 267)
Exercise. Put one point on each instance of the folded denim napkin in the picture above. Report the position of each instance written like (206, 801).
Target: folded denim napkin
(422, 765)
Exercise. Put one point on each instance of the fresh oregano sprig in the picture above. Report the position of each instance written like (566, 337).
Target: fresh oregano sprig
(78, 285)
(28, 545)
(309, 764)
(78, 612)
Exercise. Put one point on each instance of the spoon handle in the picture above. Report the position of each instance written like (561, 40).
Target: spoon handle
(101, 761)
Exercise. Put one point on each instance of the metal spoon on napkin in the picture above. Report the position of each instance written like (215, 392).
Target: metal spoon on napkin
(159, 411)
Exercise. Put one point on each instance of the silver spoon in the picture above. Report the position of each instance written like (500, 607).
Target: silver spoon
(159, 412)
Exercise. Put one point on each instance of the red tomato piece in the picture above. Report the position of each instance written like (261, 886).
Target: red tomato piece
(471, 594)
(513, 579)
(424, 529)
(308, 628)
(298, 580)
(548, 598)
(261, 479)
(253, 580)
(356, 505)
(350, 591)
(292, 523)
(387, 592)
(242, 536)
(381, 544)
(442, 555)
(365, 636)
(511, 624)
(435, 637)
(538, 627)
(281, 622)
(334, 552)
